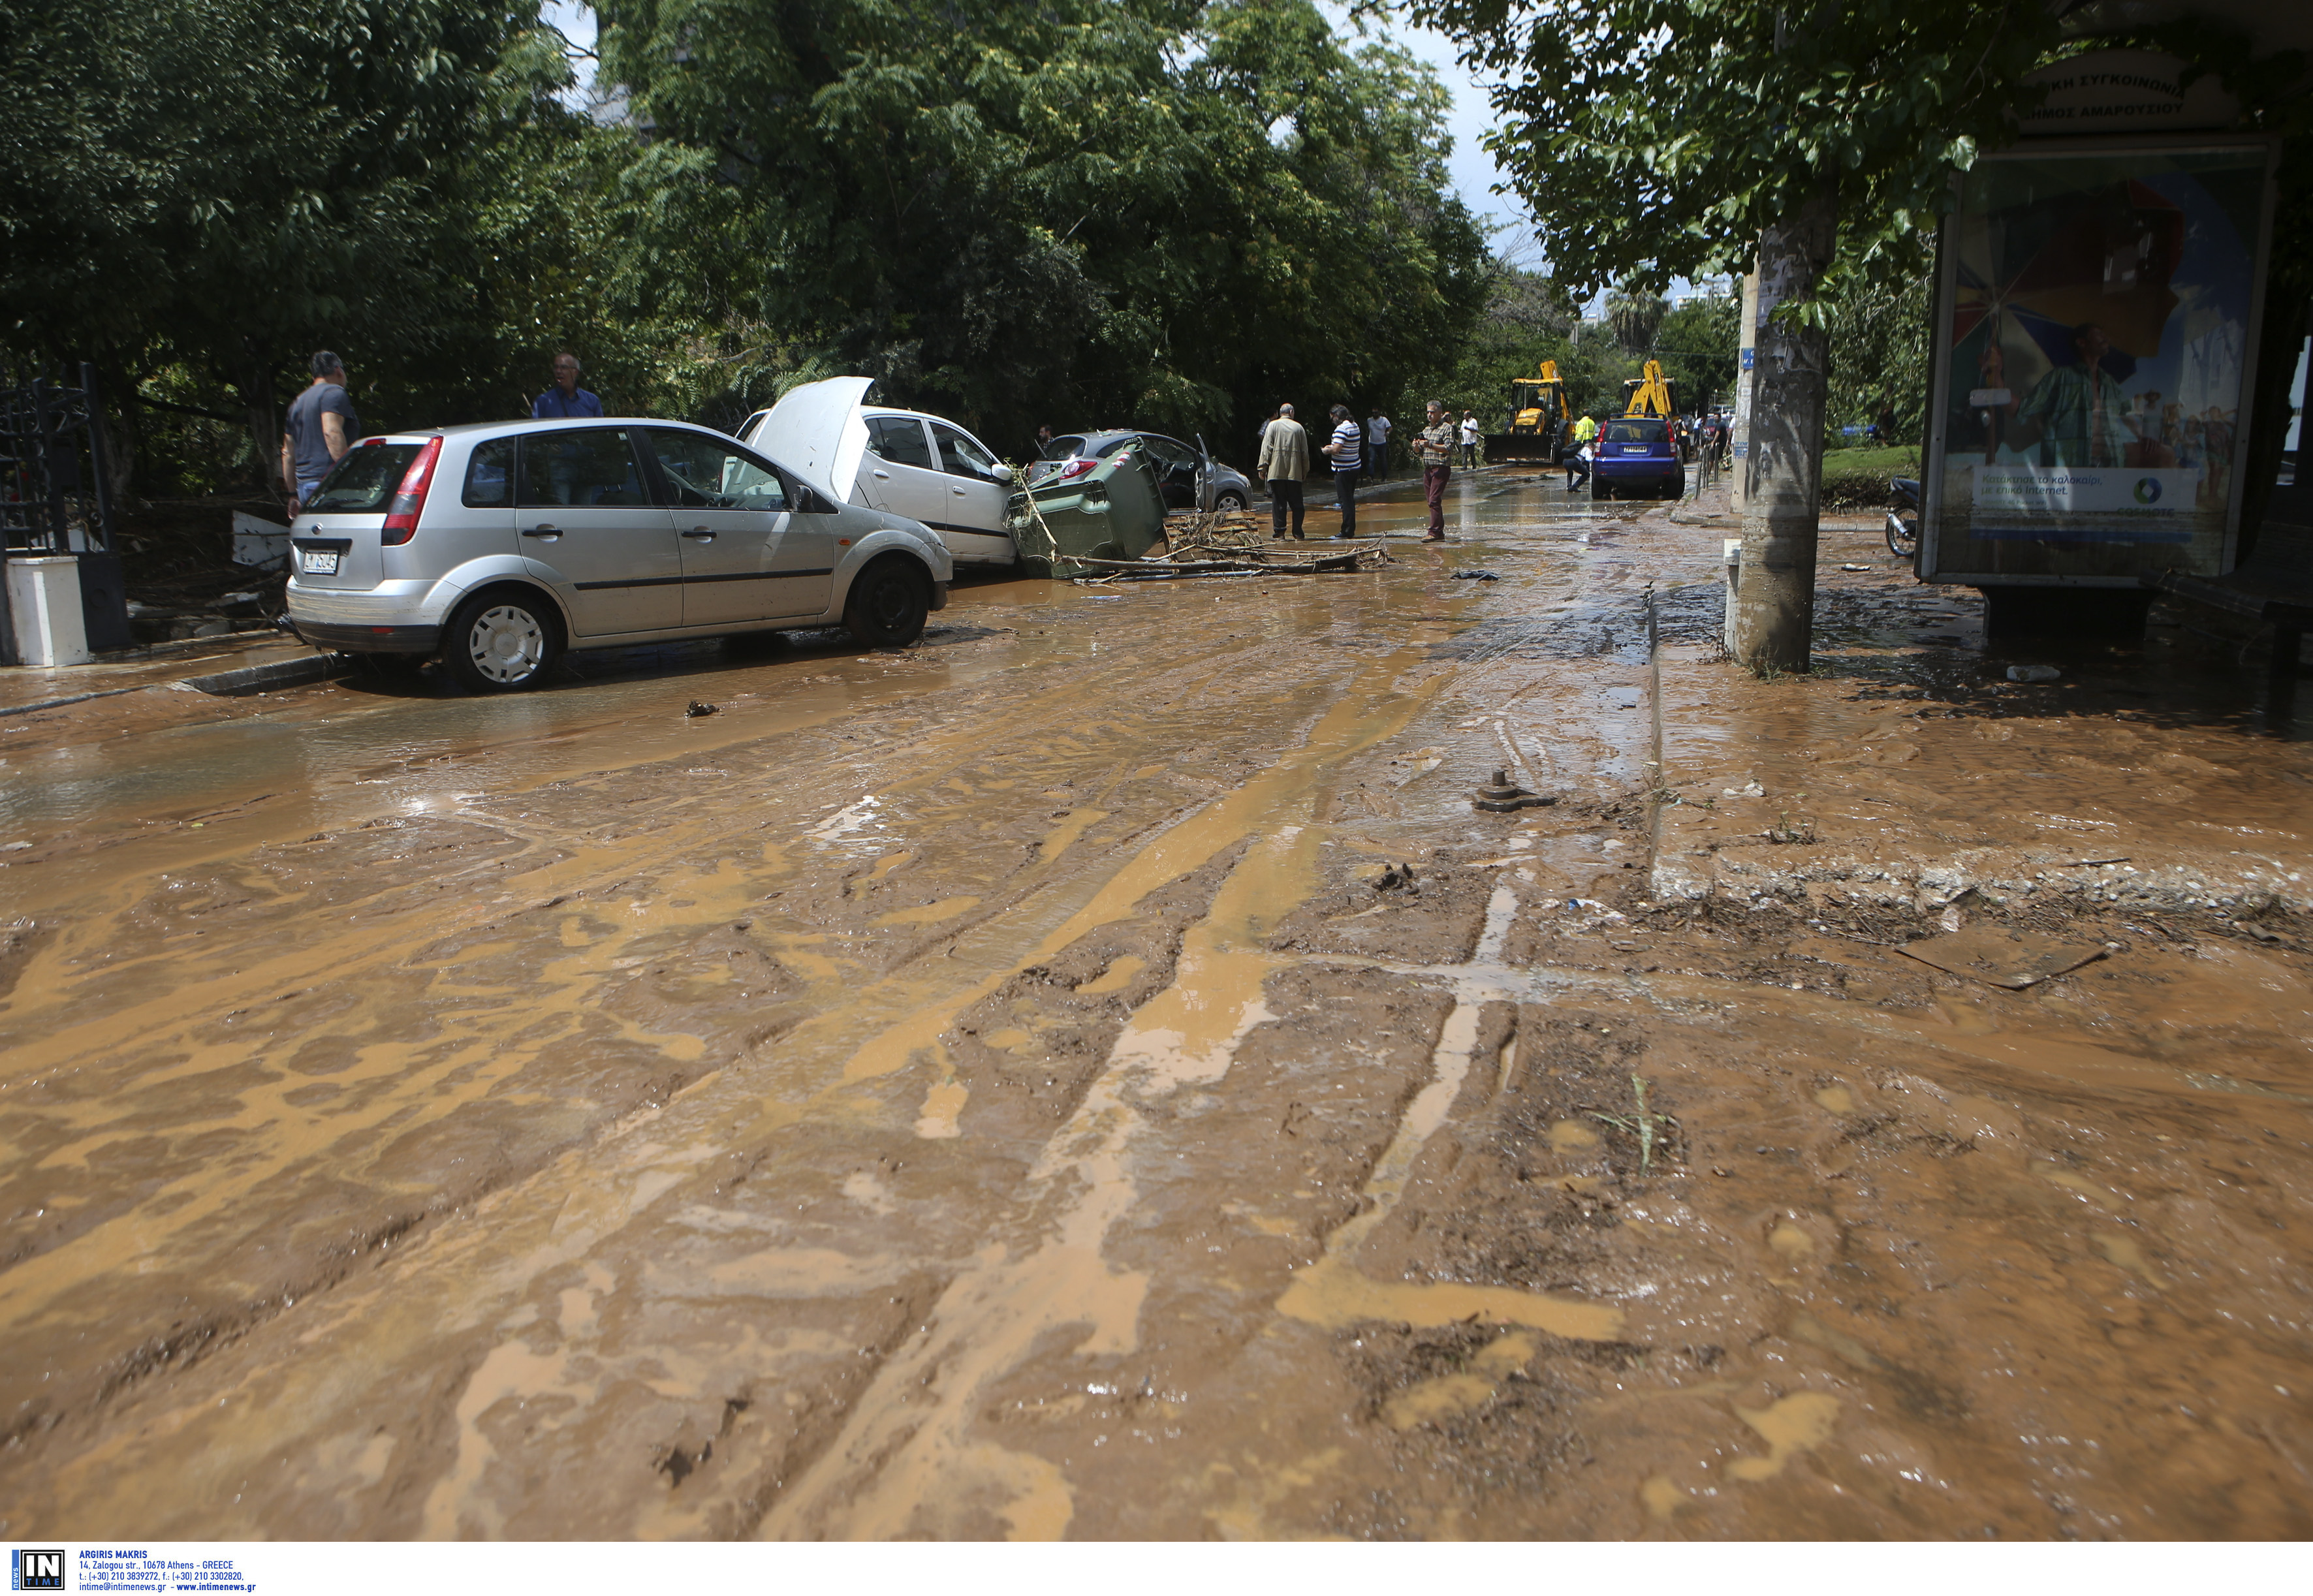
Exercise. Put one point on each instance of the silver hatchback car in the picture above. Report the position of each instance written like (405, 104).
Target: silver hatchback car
(497, 547)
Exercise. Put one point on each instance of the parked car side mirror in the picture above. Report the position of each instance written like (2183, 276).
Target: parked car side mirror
(810, 501)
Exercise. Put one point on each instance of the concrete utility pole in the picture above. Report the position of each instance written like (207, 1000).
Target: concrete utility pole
(1782, 471)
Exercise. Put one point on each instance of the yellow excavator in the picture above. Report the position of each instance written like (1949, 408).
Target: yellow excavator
(1537, 406)
(1652, 394)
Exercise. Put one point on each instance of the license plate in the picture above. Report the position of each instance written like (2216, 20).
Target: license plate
(317, 562)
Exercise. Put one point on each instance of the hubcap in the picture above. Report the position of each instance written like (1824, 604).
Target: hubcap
(506, 645)
(889, 601)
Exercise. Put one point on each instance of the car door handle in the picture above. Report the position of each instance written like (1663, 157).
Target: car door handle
(542, 529)
(883, 475)
(704, 534)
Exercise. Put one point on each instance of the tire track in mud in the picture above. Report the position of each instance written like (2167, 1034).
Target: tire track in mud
(678, 843)
(618, 1188)
(900, 1457)
(60, 1271)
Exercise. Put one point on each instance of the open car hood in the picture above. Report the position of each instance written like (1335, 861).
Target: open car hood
(817, 432)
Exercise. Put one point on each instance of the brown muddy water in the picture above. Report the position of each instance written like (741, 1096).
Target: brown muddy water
(1097, 1076)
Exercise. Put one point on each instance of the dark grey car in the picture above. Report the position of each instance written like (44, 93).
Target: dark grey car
(1187, 476)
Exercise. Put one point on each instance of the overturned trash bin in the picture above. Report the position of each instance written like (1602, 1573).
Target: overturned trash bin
(1110, 509)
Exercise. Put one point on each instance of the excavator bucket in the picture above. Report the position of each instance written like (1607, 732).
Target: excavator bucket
(1537, 406)
(1521, 446)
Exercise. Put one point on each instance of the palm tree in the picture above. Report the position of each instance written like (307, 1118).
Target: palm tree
(1635, 318)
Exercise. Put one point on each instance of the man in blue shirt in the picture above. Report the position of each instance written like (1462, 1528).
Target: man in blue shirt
(566, 398)
(320, 426)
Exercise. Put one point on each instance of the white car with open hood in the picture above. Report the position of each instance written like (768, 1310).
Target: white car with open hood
(900, 461)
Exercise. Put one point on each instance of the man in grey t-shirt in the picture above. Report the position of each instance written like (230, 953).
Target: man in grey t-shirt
(322, 426)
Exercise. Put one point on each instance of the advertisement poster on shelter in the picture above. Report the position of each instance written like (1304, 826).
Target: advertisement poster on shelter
(2097, 319)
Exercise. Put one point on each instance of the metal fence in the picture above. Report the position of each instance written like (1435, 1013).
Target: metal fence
(56, 496)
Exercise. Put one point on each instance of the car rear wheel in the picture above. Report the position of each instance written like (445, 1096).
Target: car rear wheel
(888, 603)
(501, 641)
(1600, 491)
(1230, 499)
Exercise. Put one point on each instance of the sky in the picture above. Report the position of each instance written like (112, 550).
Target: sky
(1473, 170)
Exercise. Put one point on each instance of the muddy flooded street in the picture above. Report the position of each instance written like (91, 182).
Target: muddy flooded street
(1095, 1074)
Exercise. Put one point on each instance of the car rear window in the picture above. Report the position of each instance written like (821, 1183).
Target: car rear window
(490, 476)
(364, 481)
(1637, 432)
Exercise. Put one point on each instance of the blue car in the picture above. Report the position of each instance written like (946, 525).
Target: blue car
(1637, 457)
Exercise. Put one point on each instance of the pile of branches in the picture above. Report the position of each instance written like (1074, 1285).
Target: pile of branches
(1233, 542)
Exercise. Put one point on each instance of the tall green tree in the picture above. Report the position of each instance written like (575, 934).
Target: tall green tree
(1634, 315)
(1079, 210)
(1680, 138)
(1878, 334)
(231, 182)
(1528, 318)
(1699, 346)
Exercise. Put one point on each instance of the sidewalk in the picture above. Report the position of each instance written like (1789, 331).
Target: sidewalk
(238, 662)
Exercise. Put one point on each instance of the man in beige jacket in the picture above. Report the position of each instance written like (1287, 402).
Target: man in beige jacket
(1284, 462)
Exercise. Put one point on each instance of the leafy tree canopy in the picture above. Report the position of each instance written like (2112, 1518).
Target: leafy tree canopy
(231, 175)
(1659, 137)
(1075, 210)
(1084, 211)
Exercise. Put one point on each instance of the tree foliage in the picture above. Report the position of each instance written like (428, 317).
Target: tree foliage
(1082, 210)
(1659, 137)
(1634, 315)
(232, 180)
(1699, 346)
(1085, 211)
(1528, 318)
(1879, 355)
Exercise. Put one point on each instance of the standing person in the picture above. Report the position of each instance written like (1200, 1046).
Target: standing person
(1470, 440)
(1585, 429)
(566, 398)
(1436, 447)
(318, 429)
(1044, 441)
(1377, 445)
(1284, 462)
(1343, 449)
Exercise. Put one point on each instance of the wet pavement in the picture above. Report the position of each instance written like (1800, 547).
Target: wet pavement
(1095, 1074)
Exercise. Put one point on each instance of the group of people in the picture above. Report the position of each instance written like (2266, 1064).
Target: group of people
(321, 424)
(1352, 452)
